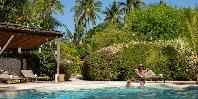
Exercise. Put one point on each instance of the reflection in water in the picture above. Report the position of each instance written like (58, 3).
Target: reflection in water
(13, 93)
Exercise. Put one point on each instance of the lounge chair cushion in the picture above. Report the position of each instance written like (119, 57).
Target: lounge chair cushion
(27, 73)
(150, 73)
(3, 72)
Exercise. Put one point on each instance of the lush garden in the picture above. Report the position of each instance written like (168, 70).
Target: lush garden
(159, 36)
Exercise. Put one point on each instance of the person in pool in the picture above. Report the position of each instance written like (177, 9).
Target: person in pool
(129, 83)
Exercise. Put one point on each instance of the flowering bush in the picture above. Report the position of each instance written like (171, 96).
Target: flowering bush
(111, 49)
(173, 59)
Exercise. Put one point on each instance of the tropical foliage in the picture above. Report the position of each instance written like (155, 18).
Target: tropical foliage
(160, 36)
(115, 34)
(33, 13)
(146, 39)
(191, 17)
(119, 61)
(113, 14)
(156, 22)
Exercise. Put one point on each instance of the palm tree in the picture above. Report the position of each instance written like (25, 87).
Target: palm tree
(72, 37)
(43, 9)
(192, 30)
(113, 14)
(86, 11)
(130, 5)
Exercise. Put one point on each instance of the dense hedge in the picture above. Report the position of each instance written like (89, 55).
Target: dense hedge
(111, 35)
(101, 67)
(117, 62)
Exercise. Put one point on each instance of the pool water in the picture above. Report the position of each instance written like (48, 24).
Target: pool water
(163, 92)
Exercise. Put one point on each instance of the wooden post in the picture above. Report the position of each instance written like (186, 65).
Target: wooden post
(21, 57)
(58, 56)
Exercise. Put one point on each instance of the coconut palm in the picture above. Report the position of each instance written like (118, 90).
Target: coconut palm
(192, 29)
(85, 11)
(129, 5)
(113, 14)
(43, 9)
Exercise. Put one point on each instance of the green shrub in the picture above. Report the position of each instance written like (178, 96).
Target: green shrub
(117, 62)
(101, 67)
(65, 68)
(72, 55)
(111, 35)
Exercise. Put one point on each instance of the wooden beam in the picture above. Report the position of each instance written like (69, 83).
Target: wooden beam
(22, 40)
(4, 39)
(6, 44)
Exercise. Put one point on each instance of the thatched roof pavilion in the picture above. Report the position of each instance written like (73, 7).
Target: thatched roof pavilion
(14, 36)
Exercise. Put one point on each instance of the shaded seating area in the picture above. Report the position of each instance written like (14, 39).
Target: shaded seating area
(149, 75)
(30, 76)
(16, 41)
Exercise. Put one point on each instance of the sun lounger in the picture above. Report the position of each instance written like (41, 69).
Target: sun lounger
(29, 75)
(150, 75)
(15, 79)
(5, 77)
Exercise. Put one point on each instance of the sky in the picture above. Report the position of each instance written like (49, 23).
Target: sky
(67, 17)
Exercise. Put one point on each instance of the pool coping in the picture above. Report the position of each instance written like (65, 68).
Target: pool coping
(82, 84)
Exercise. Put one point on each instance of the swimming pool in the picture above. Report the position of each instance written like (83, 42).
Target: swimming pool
(163, 92)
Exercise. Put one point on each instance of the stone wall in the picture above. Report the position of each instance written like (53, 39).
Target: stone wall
(12, 65)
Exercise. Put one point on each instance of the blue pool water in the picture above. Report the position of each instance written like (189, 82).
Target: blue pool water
(163, 92)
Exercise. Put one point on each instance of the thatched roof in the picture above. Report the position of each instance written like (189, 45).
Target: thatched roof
(25, 37)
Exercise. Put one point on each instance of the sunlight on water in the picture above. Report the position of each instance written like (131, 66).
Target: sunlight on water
(162, 92)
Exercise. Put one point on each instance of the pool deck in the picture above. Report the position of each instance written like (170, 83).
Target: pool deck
(79, 84)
